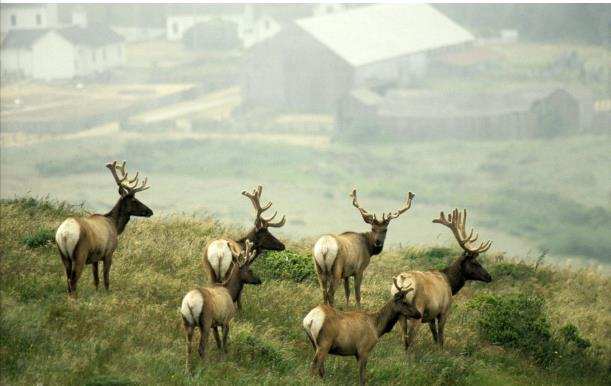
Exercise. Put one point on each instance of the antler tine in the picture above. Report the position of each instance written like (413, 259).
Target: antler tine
(398, 212)
(394, 280)
(456, 222)
(126, 184)
(255, 198)
(367, 217)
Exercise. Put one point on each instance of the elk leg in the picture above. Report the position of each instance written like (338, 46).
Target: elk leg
(217, 338)
(225, 337)
(358, 279)
(433, 327)
(107, 264)
(347, 290)
(362, 361)
(319, 359)
(189, 329)
(204, 328)
(77, 270)
(331, 292)
(412, 332)
(96, 276)
(322, 281)
(441, 323)
(68, 266)
(239, 302)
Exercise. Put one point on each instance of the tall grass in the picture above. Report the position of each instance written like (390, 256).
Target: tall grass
(132, 334)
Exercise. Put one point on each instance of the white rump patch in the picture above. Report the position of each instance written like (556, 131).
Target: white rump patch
(67, 236)
(325, 252)
(191, 307)
(404, 281)
(313, 323)
(220, 257)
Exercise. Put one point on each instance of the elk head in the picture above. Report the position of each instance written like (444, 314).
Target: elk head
(379, 227)
(260, 235)
(403, 307)
(471, 269)
(129, 204)
(243, 261)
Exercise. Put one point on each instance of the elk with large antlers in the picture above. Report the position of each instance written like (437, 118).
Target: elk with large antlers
(338, 257)
(353, 333)
(219, 253)
(87, 240)
(213, 307)
(434, 289)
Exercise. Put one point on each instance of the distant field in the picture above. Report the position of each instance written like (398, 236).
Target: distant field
(527, 196)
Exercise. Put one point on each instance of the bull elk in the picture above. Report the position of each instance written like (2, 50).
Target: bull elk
(341, 256)
(219, 253)
(213, 307)
(433, 290)
(87, 240)
(353, 333)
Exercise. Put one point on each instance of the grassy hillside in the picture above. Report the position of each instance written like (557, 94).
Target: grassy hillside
(529, 326)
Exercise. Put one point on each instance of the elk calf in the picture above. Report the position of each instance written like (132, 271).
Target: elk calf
(213, 307)
(218, 259)
(338, 257)
(87, 240)
(433, 290)
(353, 333)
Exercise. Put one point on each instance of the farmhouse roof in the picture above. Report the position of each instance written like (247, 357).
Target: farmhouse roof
(22, 38)
(94, 35)
(379, 32)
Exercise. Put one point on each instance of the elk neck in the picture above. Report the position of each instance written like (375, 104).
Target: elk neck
(234, 284)
(251, 235)
(454, 273)
(386, 318)
(370, 241)
(119, 216)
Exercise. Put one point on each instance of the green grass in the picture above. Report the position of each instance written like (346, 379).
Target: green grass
(132, 334)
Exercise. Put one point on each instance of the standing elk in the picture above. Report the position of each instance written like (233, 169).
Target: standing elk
(434, 289)
(87, 240)
(340, 256)
(219, 253)
(213, 307)
(353, 333)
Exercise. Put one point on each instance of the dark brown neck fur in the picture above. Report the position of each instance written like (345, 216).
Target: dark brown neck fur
(234, 284)
(369, 239)
(118, 216)
(386, 318)
(455, 275)
(252, 238)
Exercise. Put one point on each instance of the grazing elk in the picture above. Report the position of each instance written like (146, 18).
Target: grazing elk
(219, 253)
(213, 307)
(433, 290)
(340, 256)
(353, 333)
(87, 240)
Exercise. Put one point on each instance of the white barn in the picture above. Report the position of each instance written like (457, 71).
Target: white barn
(28, 16)
(61, 53)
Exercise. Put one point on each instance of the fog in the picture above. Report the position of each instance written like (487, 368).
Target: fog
(504, 110)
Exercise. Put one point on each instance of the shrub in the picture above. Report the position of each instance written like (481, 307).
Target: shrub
(38, 239)
(571, 336)
(515, 321)
(287, 265)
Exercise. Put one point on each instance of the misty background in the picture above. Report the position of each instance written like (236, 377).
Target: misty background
(503, 109)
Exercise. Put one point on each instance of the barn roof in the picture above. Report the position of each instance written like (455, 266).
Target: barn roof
(94, 35)
(379, 32)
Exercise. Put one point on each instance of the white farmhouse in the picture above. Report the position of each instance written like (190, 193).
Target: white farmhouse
(61, 53)
(27, 16)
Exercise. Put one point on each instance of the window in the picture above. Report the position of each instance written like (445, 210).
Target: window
(13, 20)
(38, 19)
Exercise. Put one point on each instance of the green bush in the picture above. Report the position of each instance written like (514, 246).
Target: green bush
(571, 336)
(515, 321)
(38, 239)
(286, 265)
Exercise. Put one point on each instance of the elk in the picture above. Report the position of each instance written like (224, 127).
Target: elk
(218, 260)
(87, 240)
(433, 290)
(353, 333)
(348, 254)
(213, 307)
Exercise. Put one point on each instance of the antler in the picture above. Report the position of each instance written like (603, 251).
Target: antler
(456, 222)
(398, 212)
(260, 222)
(126, 186)
(247, 255)
(406, 290)
(386, 217)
